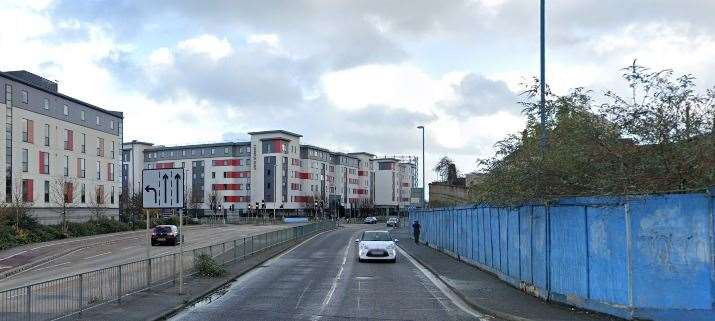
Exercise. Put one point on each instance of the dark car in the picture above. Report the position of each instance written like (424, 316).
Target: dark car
(165, 234)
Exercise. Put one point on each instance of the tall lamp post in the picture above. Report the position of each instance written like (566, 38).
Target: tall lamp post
(422, 201)
(542, 107)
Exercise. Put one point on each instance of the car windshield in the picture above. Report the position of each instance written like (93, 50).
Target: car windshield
(162, 229)
(376, 236)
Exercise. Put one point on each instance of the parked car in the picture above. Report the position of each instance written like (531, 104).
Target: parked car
(370, 220)
(376, 245)
(393, 222)
(166, 234)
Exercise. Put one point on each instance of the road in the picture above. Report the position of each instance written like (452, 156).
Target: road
(120, 248)
(321, 279)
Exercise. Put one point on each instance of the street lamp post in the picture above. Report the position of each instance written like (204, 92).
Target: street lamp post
(542, 107)
(422, 201)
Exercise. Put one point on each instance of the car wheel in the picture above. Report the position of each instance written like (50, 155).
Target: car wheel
(360, 260)
(153, 243)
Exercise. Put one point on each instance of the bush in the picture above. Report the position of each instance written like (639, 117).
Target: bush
(207, 267)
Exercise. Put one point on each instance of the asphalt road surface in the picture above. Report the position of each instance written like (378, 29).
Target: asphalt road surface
(321, 279)
(125, 247)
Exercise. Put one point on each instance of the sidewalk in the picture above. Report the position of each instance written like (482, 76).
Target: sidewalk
(487, 293)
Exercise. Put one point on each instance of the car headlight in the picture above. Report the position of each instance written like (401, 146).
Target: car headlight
(363, 247)
(391, 247)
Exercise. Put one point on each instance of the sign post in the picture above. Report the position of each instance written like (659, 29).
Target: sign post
(164, 189)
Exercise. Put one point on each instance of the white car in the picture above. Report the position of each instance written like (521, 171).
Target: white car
(376, 245)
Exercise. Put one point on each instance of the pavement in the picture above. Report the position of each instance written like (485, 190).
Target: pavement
(486, 292)
(322, 279)
(68, 257)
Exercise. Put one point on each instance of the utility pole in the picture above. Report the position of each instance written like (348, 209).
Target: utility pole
(423, 200)
(542, 108)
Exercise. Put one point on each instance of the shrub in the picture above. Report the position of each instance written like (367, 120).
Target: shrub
(207, 267)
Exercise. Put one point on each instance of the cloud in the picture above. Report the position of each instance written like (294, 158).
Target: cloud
(477, 96)
(208, 45)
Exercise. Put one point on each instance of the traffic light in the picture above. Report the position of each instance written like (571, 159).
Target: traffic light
(263, 204)
(249, 206)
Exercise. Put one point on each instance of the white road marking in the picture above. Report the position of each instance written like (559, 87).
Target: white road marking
(52, 266)
(98, 255)
(456, 300)
(18, 253)
(300, 298)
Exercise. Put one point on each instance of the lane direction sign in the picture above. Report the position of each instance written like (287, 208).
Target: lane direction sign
(163, 188)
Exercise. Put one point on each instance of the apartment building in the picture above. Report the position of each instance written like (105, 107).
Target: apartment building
(394, 179)
(272, 169)
(58, 151)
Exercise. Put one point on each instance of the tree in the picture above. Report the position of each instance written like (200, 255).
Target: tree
(443, 168)
(195, 199)
(17, 211)
(654, 141)
(63, 196)
(97, 202)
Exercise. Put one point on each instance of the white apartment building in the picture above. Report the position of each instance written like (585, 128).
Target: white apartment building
(272, 169)
(58, 151)
(394, 179)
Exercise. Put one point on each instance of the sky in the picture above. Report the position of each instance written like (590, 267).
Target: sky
(350, 76)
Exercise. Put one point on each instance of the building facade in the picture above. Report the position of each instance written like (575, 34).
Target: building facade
(273, 171)
(60, 154)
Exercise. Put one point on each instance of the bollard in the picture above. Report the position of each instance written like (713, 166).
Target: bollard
(244, 248)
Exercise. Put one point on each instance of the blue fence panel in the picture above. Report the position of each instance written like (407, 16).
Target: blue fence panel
(671, 252)
(503, 240)
(525, 244)
(608, 265)
(538, 247)
(569, 270)
(513, 254)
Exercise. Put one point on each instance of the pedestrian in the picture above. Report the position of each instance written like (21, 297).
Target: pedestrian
(416, 231)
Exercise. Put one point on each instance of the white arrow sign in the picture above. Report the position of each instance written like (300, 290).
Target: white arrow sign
(163, 188)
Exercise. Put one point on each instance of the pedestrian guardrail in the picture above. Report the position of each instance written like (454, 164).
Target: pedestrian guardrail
(61, 297)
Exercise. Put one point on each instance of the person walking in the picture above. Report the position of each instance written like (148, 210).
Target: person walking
(416, 231)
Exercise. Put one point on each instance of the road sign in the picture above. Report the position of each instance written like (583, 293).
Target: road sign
(163, 188)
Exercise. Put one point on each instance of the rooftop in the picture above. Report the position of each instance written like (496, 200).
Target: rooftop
(50, 87)
(279, 131)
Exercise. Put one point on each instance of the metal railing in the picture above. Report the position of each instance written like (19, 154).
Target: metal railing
(69, 295)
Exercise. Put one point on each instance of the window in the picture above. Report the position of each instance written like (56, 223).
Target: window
(65, 110)
(111, 196)
(47, 191)
(67, 166)
(97, 121)
(171, 153)
(83, 192)
(248, 186)
(111, 124)
(84, 143)
(100, 146)
(27, 192)
(44, 163)
(83, 116)
(213, 151)
(46, 104)
(24, 96)
(213, 174)
(183, 152)
(25, 160)
(225, 150)
(110, 172)
(81, 168)
(100, 194)
(112, 152)
(69, 140)
(47, 134)
(26, 124)
(99, 170)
